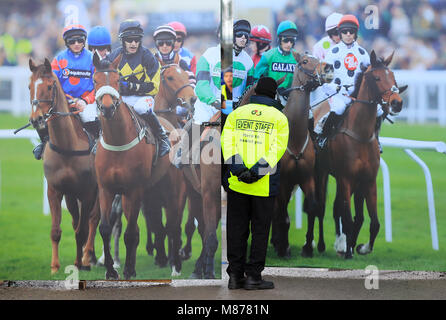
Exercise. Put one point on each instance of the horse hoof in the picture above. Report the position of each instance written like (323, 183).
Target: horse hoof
(307, 252)
(54, 270)
(185, 255)
(175, 273)
(85, 268)
(149, 250)
(129, 274)
(162, 263)
(321, 247)
(348, 255)
(285, 254)
(209, 276)
(363, 249)
(111, 275)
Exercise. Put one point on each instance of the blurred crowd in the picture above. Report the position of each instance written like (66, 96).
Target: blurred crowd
(416, 30)
(34, 29)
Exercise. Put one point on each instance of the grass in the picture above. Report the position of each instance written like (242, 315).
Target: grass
(25, 253)
(411, 248)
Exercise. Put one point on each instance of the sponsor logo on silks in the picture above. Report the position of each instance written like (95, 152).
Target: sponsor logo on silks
(76, 73)
(150, 102)
(256, 112)
(254, 125)
(283, 67)
(350, 62)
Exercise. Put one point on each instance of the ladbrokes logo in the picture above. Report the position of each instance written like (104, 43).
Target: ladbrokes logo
(76, 73)
(254, 125)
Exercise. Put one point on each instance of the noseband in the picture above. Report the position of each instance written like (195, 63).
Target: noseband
(107, 89)
(380, 97)
(314, 82)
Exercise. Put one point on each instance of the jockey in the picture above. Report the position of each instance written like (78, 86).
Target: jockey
(348, 59)
(184, 53)
(140, 77)
(243, 67)
(279, 61)
(320, 50)
(261, 37)
(165, 37)
(99, 39)
(208, 92)
(74, 69)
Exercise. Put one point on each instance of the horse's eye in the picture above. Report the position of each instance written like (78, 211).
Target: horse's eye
(305, 62)
(170, 78)
(377, 79)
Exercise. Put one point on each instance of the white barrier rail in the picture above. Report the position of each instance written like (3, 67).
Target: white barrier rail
(407, 145)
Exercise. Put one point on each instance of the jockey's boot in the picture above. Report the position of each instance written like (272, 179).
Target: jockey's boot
(159, 133)
(93, 128)
(379, 121)
(44, 137)
(329, 129)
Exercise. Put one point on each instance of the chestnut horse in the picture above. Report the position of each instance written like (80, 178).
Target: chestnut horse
(352, 156)
(67, 161)
(124, 163)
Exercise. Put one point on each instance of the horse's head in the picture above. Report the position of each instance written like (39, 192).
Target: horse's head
(384, 89)
(43, 93)
(314, 71)
(177, 87)
(106, 85)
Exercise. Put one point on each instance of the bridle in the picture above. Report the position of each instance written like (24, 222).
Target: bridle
(314, 82)
(107, 89)
(180, 101)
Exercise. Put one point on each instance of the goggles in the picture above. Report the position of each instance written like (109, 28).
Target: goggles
(132, 39)
(160, 43)
(351, 31)
(240, 34)
(80, 40)
(289, 39)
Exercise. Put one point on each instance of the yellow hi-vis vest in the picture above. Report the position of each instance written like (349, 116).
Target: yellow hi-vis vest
(256, 131)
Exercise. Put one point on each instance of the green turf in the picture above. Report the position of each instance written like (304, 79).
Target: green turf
(25, 253)
(411, 248)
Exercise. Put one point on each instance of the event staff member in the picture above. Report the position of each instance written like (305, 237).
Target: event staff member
(254, 140)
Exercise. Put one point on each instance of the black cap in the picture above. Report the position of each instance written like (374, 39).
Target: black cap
(266, 86)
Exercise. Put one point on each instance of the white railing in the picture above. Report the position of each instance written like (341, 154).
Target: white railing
(407, 145)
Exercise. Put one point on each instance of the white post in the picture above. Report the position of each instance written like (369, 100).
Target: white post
(387, 200)
(298, 208)
(430, 197)
(46, 205)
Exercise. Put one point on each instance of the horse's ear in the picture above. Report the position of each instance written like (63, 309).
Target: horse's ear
(116, 62)
(403, 88)
(32, 66)
(296, 56)
(159, 59)
(96, 59)
(177, 58)
(373, 58)
(47, 65)
(389, 59)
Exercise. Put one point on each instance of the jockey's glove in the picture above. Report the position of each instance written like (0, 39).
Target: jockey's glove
(81, 104)
(216, 104)
(260, 169)
(246, 176)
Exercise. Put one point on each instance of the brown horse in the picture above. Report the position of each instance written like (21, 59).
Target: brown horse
(170, 191)
(124, 163)
(352, 157)
(297, 164)
(68, 163)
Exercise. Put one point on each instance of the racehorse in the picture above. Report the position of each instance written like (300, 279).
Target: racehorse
(206, 181)
(68, 162)
(352, 157)
(124, 163)
(170, 192)
(297, 164)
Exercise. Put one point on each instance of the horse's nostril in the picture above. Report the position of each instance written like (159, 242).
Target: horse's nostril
(193, 100)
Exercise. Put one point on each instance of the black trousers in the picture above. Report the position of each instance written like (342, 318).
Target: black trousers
(247, 214)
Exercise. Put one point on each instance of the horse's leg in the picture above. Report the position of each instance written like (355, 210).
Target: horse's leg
(189, 230)
(359, 214)
(310, 207)
(54, 199)
(105, 228)
(281, 244)
(321, 183)
(131, 203)
(196, 209)
(153, 215)
(82, 231)
(340, 244)
(374, 223)
(89, 252)
(173, 228)
(116, 233)
(343, 195)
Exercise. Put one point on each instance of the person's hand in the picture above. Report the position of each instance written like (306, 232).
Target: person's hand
(81, 104)
(245, 176)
